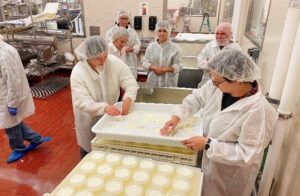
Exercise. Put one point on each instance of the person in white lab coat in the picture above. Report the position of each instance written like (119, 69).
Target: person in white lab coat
(162, 58)
(223, 40)
(16, 104)
(117, 47)
(238, 123)
(133, 44)
(95, 86)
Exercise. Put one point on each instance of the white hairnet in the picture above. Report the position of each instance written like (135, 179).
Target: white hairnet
(91, 47)
(163, 25)
(119, 33)
(122, 13)
(234, 65)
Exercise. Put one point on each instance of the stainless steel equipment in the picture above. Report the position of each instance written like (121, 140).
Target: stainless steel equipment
(164, 95)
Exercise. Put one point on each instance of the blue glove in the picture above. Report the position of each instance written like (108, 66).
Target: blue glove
(12, 111)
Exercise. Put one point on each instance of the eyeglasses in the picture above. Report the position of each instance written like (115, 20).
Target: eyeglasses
(217, 83)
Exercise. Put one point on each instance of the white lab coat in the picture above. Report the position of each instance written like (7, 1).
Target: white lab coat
(239, 135)
(133, 42)
(210, 50)
(121, 54)
(14, 87)
(166, 54)
(92, 92)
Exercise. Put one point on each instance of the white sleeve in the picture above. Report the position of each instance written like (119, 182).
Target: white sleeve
(128, 83)
(82, 98)
(177, 61)
(147, 58)
(203, 57)
(11, 73)
(108, 35)
(191, 104)
(250, 143)
(137, 43)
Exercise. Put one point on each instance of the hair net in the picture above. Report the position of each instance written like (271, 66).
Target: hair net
(119, 33)
(91, 47)
(163, 25)
(234, 65)
(122, 13)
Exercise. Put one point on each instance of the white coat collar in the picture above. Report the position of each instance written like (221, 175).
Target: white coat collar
(241, 104)
(168, 41)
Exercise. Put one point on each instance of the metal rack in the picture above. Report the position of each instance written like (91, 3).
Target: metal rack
(36, 44)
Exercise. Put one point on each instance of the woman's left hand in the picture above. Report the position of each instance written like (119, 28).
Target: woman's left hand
(126, 106)
(195, 143)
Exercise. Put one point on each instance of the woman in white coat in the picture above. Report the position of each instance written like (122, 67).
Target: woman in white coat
(133, 44)
(238, 123)
(162, 59)
(16, 104)
(95, 85)
(117, 47)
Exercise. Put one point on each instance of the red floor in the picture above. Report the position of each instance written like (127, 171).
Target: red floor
(40, 171)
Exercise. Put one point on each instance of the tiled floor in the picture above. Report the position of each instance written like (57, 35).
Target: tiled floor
(40, 171)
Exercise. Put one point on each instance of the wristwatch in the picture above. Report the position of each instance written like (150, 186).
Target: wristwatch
(207, 145)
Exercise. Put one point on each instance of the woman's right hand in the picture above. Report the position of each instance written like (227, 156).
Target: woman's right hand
(170, 126)
(112, 110)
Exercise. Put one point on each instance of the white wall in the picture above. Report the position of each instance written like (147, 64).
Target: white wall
(175, 4)
(103, 13)
(287, 176)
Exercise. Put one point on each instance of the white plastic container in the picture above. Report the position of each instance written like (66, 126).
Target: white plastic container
(77, 180)
(95, 183)
(104, 170)
(181, 186)
(140, 177)
(133, 190)
(87, 167)
(184, 172)
(160, 181)
(147, 165)
(84, 193)
(113, 159)
(113, 187)
(129, 162)
(97, 156)
(154, 192)
(165, 169)
(65, 191)
(122, 174)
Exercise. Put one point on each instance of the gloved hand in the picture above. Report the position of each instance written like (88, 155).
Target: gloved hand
(12, 111)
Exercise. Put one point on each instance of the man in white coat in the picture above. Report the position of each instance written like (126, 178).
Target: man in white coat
(133, 44)
(223, 41)
(95, 84)
(16, 104)
(238, 123)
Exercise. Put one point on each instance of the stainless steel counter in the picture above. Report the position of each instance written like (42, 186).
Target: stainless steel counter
(163, 95)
